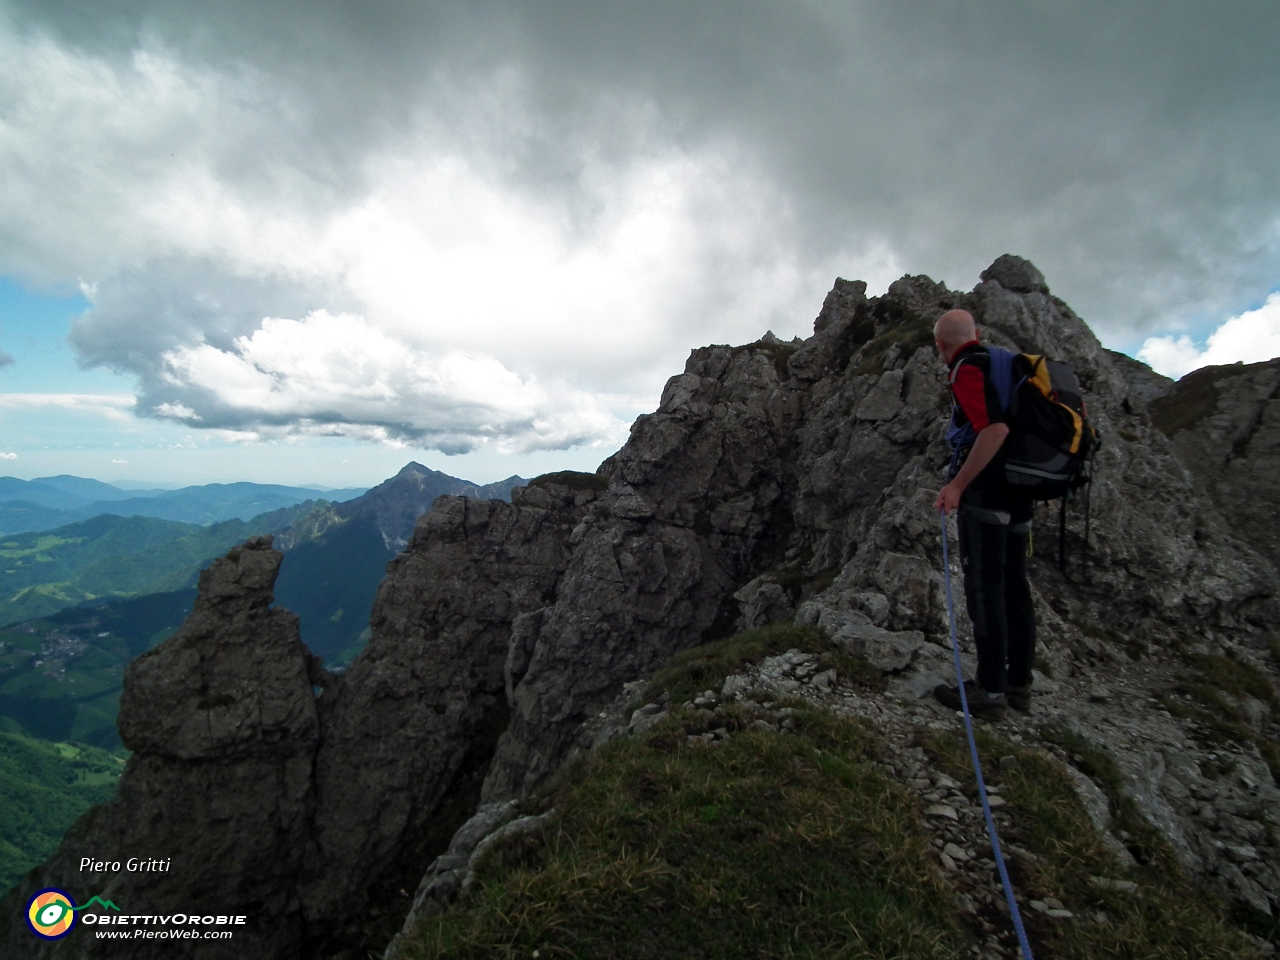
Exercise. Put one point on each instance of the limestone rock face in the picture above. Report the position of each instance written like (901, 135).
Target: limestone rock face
(1224, 423)
(685, 520)
(222, 721)
(302, 812)
(233, 681)
(1145, 385)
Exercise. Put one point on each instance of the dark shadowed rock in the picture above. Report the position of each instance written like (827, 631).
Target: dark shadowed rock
(414, 721)
(233, 681)
(1145, 385)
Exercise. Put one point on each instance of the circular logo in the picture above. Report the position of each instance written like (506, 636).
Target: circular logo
(51, 914)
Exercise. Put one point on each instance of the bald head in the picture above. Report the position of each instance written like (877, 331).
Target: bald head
(953, 330)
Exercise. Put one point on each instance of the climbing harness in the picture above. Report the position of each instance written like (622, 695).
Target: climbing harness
(973, 751)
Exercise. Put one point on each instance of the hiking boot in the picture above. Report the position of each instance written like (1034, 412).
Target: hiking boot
(983, 705)
(1018, 697)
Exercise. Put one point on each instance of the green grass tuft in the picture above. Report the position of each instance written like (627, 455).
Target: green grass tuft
(797, 845)
(777, 353)
(1233, 677)
(895, 324)
(766, 845)
(1192, 398)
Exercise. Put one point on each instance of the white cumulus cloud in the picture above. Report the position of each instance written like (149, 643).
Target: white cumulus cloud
(476, 316)
(1248, 338)
(8, 456)
(175, 411)
(342, 376)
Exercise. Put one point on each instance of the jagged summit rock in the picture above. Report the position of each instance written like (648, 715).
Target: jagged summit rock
(1016, 274)
(234, 681)
(772, 470)
(775, 481)
(408, 731)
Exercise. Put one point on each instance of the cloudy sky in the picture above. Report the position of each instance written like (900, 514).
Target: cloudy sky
(307, 242)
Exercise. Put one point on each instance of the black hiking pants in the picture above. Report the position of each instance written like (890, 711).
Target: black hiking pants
(995, 533)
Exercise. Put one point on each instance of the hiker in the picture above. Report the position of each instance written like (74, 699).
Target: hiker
(994, 525)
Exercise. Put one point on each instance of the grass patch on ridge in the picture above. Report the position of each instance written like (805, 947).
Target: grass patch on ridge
(897, 326)
(765, 845)
(788, 845)
(1191, 399)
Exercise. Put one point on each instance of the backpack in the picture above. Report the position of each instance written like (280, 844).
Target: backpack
(1051, 444)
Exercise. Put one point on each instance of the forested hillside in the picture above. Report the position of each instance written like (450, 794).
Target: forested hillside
(43, 788)
(60, 675)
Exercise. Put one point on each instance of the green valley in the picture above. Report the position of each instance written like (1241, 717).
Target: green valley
(115, 557)
(79, 602)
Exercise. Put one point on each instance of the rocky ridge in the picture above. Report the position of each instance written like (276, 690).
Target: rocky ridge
(1217, 807)
(222, 723)
(776, 481)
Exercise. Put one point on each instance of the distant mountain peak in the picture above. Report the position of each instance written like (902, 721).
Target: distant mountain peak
(398, 501)
(413, 466)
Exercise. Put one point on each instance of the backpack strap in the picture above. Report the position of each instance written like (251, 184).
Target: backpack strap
(1002, 375)
(959, 435)
(1000, 372)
